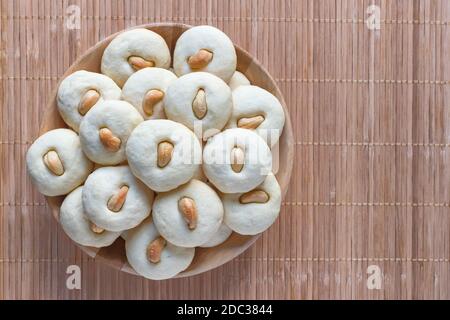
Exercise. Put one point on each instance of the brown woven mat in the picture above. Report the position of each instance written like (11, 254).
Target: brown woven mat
(370, 109)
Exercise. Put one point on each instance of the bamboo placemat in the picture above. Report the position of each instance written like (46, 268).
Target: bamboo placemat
(370, 109)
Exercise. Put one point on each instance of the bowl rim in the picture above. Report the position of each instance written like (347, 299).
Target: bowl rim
(92, 252)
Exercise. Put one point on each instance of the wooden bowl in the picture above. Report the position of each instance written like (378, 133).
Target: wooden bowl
(205, 258)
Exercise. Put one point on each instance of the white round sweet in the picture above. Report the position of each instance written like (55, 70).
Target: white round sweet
(171, 223)
(139, 42)
(140, 83)
(120, 118)
(251, 101)
(105, 183)
(73, 88)
(252, 218)
(216, 96)
(219, 237)
(78, 227)
(142, 153)
(238, 79)
(173, 259)
(223, 63)
(217, 160)
(65, 145)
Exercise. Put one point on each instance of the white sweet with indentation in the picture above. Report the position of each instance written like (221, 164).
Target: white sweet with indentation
(120, 118)
(251, 101)
(139, 42)
(105, 182)
(178, 103)
(253, 218)
(77, 166)
(173, 260)
(170, 221)
(217, 160)
(142, 154)
(73, 88)
(141, 82)
(223, 63)
(78, 227)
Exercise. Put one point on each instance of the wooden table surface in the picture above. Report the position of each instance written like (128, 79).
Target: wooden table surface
(367, 214)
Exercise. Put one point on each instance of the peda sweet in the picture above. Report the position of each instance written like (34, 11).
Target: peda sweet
(78, 227)
(56, 163)
(115, 200)
(257, 109)
(238, 79)
(81, 91)
(145, 90)
(205, 48)
(253, 212)
(219, 237)
(133, 50)
(104, 131)
(200, 101)
(163, 154)
(236, 160)
(189, 215)
(152, 256)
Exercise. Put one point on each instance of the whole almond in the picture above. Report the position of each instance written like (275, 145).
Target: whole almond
(53, 163)
(250, 123)
(237, 159)
(151, 98)
(189, 211)
(200, 59)
(165, 150)
(254, 196)
(199, 106)
(89, 99)
(109, 140)
(138, 63)
(117, 200)
(155, 248)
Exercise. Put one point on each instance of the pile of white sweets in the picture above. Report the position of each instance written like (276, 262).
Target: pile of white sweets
(168, 158)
